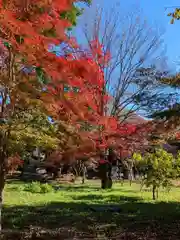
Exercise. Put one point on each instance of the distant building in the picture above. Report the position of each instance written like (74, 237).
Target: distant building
(126, 116)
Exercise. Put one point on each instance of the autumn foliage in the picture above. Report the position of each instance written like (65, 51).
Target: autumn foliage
(30, 28)
(13, 163)
(28, 32)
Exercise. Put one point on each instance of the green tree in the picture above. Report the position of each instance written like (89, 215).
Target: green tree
(167, 115)
(158, 168)
(171, 115)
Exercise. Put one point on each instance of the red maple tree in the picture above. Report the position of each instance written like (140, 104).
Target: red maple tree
(107, 129)
(27, 30)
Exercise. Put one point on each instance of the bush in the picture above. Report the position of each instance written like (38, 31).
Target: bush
(46, 188)
(34, 187)
(37, 187)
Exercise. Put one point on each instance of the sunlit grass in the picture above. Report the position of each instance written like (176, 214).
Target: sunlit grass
(15, 195)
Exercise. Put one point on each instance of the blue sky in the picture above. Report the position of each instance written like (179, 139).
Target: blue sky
(155, 13)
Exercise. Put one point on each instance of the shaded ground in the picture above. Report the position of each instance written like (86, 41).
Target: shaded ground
(94, 214)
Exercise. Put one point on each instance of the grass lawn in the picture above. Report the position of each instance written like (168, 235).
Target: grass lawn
(87, 212)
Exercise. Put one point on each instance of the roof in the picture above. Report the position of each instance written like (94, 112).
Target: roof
(133, 118)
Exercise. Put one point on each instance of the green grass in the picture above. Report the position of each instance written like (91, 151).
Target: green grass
(89, 212)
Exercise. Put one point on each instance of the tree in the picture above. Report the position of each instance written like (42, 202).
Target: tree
(158, 99)
(26, 31)
(166, 116)
(132, 45)
(158, 168)
(84, 142)
(127, 50)
(29, 57)
(89, 121)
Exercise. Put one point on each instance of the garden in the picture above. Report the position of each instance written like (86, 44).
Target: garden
(89, 122)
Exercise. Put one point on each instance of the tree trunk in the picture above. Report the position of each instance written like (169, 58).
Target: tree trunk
(131, 176)
(2, 183)
(119, 173)
(1, 204)
(83, 174)
(109, 176)
(24, 167)
(1, 201)
(157, 195)
(104, 183)
(110, 183)
(126, 174)
(142, 185)
(154, 192)
(105, 176)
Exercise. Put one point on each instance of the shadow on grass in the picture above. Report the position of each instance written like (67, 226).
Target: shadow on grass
(85, 188)
(129, 218)
(108, 198)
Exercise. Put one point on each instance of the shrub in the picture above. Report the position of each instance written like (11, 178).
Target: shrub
(46, 188)
(37, 187)
(34, 187)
